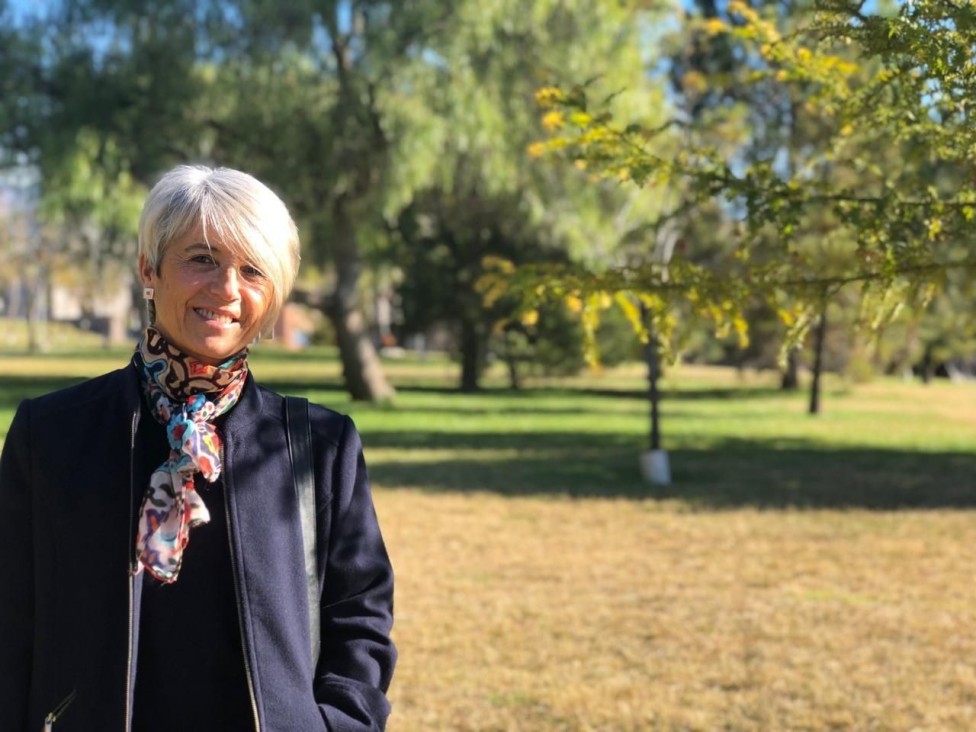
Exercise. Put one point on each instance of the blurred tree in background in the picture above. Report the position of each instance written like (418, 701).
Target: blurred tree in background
(835, 142)
(364, 115)
(786, 154)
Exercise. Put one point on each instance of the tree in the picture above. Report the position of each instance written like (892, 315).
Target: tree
(893, 184)
(299, 95)
(92, 102)
(484, 198)
(352, 109)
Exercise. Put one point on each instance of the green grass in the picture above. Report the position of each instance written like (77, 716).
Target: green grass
(734, 440)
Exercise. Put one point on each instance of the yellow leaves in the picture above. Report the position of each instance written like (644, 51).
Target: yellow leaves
(536, 149)
(574, 303)
(934, 228)
(694, 82)
(549, 96)
(838, 65)
(580, 119)
(754, 27)
(788, 316)
(728, 319)
(741, 328)
(495, 283)
(742, 9)
(499, 264)
(626, 301)
(714, 26)
(590, 320)
(553, 121)
(492, 289)
(529, 318)
(595, 135)
(601, 300)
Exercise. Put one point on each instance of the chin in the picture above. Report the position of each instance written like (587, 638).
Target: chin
(217, 353)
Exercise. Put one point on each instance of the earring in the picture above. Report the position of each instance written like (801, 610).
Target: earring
(263, 336)
(148, 292)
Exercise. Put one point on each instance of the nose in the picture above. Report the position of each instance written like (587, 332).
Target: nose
(226, 282)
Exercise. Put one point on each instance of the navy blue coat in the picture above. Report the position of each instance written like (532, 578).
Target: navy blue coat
(69, 606)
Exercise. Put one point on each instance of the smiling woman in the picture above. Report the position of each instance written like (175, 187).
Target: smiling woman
(219, 251)
(186, 594)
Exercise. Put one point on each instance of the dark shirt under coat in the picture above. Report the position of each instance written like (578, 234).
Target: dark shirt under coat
(191, 624)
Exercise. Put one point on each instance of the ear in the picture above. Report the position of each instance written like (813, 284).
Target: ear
(146, 272)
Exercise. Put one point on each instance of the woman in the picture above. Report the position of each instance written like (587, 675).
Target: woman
(149, 524)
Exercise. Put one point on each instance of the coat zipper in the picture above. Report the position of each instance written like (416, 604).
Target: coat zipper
(132, 569)
(51, 718)
(237, 595)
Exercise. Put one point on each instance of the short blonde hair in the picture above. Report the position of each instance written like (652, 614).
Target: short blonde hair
(236, 208)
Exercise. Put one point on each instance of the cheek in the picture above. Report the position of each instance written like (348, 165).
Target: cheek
(258, 302)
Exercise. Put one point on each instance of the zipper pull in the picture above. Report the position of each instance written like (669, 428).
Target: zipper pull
(51, 718)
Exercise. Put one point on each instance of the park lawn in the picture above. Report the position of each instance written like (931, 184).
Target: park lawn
(800, 574)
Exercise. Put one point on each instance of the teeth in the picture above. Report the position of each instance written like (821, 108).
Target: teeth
(211, 315)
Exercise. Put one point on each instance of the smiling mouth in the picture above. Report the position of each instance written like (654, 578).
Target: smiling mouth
(216, 317)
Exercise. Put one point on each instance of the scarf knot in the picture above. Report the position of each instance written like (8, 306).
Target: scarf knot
(185, 395)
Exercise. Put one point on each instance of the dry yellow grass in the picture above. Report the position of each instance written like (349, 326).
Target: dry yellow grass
(607, 614)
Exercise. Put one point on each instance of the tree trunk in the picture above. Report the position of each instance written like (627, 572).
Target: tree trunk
(471, 353)
(511, 358)
(927, 366)
(361, 368)
(514, 379)
(818, 361)
(790, 380)
(30, 317)
(653, 375)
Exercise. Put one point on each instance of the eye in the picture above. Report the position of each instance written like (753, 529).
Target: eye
(203, 259)
(250, 270)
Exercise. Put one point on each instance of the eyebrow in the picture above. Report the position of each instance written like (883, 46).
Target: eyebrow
(202, 246)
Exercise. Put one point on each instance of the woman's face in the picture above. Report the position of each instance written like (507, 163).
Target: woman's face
(209, 303)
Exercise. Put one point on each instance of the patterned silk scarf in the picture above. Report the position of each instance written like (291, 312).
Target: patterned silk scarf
(185, 395)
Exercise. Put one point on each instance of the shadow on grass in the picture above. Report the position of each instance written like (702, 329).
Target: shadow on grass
(738, 473)
(727, 473)
(530, 401)
(692, 394)
(535, 394)
(730, 474)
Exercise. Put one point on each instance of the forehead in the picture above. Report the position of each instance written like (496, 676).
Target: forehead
(194, 240)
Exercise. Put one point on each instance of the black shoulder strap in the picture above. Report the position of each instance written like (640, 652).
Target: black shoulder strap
(300, 450)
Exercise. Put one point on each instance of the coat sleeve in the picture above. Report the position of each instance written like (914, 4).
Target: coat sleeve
(16, 557)
(357, 655)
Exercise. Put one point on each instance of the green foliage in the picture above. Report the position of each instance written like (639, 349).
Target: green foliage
(357, 113)
(882, 200)
(551, 342)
